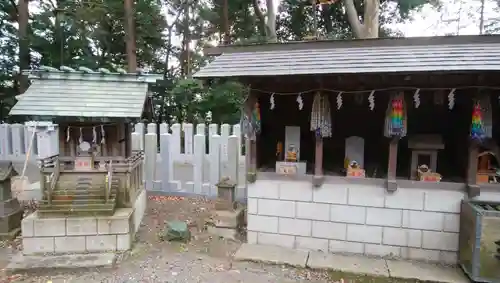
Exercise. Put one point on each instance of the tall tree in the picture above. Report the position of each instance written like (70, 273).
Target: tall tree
(130, 36)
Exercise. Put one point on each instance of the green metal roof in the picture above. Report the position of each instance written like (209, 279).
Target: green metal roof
(84, 93)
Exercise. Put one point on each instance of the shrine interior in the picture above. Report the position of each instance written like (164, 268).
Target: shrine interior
(431, 123)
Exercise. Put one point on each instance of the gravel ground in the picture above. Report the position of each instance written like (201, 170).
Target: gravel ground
(203, 259)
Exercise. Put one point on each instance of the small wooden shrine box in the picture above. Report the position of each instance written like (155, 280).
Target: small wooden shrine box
(424, 151)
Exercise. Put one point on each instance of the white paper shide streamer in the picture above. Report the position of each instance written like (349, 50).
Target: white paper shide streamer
(371, 100)
(67, 134)
(271, 102)
(300, 102)
(103, 135)
(416, 98)
(339, 100)
(94, 135)
(80, 138)
(451, 99)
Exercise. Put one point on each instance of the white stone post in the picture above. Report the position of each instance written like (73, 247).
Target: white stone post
(237, 133)
(188, 138)
(213, 129)
(166, 166)
(175, 142)
(139, 128)
(150, 152)
(214, 157)
(224, 130)
(200, 129)
(18, 141)
(233, 158)
(199, 156)
(5, 144)
(163, 128)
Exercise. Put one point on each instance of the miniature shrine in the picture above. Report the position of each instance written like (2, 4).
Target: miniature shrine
(11, 211)
(338, 126)
(96, 172)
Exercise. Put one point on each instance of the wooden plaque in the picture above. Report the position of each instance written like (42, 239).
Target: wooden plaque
(83, 163)
(357, 173)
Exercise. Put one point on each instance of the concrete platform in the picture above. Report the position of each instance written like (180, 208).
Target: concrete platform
(20, 262)
(353, 264)
(272, 254)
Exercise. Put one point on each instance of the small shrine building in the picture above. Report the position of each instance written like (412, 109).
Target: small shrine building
(353, 141)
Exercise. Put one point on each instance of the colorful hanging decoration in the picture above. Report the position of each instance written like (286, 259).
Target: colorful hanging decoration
(321, 121)
(416, 98)
(397, 115)
(477, 126)
(371, 100)
(256, 117)
(299, 101)
(271, 102)
(339, 100)
(395, 119)
(451, 99)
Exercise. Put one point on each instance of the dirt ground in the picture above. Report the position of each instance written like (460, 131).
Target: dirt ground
(204, 259)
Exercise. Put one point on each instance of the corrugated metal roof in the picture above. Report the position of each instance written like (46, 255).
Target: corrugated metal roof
(73, 96)
(381, 59)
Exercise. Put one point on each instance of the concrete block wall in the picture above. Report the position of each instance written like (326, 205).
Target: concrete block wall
(410, 223)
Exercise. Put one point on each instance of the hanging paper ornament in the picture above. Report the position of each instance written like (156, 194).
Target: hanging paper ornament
(397, 116)
(371, 100)
(416, 98)
(271, 102)
(67, 134)
(339, 100)
(299, 101)
(477, 125)
(451, 99)
(80, 138)
(94, 135)
(103, 135)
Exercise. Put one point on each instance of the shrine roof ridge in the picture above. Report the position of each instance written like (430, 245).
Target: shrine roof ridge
(87, 74)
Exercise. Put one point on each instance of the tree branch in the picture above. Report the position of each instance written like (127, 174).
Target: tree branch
(15, 6)
(261, 16)
(353, 18)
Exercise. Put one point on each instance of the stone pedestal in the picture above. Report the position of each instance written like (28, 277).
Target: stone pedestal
(11, 214)
(227, 223)
(11, 211)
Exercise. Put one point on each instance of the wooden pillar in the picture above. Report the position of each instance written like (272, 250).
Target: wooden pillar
(318, 158)
(473, 188)
(251, 150)
(392, 166)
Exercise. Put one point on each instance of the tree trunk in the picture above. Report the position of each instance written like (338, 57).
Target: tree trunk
(130, 36)
(225, 13)
(24, 48)
(370, 25)
(185, 60)
(268, 22)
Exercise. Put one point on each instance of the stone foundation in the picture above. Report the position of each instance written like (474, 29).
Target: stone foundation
(10, 221)
(346, 217)
(227, 223)
(83, 234)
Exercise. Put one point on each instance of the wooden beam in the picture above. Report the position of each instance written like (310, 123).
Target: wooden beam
(392, 166)
(472, 187)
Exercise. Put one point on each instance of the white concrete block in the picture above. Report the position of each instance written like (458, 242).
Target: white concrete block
(101, 243)
(423, 220)
(81, 226)
(252, 237)
(405, 199)
(452, 222)
(286, 241)
(123, 242)
(440, 241)
(27, 226)
(444, 201)
(50, 227)
(312, 210)
(252, 205)
(74, 244)
(347, 214)
(259, 223)
(382, 250)
(312, 244)
(364, 234)
(295, 190)
(139, 209)
(330, 193)
(366, 196)
(329, 230)
(419, 254)
(448, 257)
(119, 223)
(345, 247)
(402, 237)
(384, 217)
(298, 227)
(271, 207)
(38, 245)
(264, 189)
